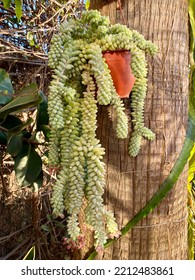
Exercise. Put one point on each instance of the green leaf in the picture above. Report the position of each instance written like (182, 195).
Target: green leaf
(11, 122)
(14, 143)
(191, 169)
(38, 183)
(191, 8)
(27, 98)
(192, 152)
(6, 89)
(59, 224)
(42, 114)
(21, 126)
(46, 131)
(29, 36)
(6, 3)
(5, 82)
(190, 177)
(3, 138)
(18, 9)
(26, 134)
(87, 4)
(49, 217)
(31, 89)
(30, 255)
(28, 166)
(30, 39)
(46, 228)
(192, 95)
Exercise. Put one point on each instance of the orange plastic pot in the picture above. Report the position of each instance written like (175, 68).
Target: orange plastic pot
(119, 64)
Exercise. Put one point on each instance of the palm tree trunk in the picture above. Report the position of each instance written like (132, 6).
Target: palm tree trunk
(132, 182)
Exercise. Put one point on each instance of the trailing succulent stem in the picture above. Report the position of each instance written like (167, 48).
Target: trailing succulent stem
(81, 81)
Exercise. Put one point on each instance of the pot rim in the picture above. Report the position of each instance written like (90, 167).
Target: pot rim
(109, 51)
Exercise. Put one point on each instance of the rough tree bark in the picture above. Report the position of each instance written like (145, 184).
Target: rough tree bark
(132, 182)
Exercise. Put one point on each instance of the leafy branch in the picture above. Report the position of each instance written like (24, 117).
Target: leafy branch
(17, 135)
(18, 7)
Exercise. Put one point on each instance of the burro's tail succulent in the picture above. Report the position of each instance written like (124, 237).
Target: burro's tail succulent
(81, 81)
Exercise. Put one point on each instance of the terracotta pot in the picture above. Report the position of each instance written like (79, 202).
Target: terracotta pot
(119, 65)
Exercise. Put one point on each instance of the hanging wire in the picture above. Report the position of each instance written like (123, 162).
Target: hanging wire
(119, 7)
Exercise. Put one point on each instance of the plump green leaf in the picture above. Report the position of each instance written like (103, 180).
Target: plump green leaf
(14, 143)
(28, 166)
(6, 89)
(42, 114)
(18, 9)
(27, 98)
(6, 3)
(31, 254)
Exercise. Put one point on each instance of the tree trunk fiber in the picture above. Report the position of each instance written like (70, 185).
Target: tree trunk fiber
(132, 182)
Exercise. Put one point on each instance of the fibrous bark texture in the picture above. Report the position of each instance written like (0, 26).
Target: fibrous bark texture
(131, 182)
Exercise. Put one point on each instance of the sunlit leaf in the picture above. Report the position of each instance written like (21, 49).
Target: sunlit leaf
(190, 177)
(191, 7)
(30, 39)
(192, 95)
(191, 169)
(18, 8)
(6, 3)
(87, 4)
(31, 254)
(192, 153)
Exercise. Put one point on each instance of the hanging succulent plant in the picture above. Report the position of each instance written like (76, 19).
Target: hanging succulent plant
(79, 70)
